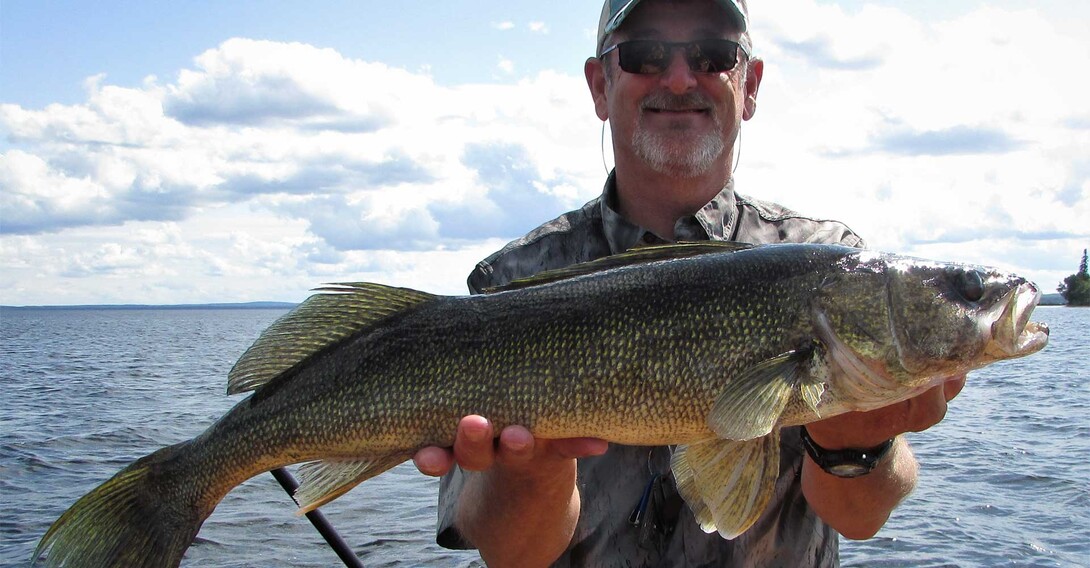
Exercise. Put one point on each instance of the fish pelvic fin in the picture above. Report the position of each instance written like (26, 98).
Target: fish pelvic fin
(323, 481)
(128, 521)
(751, 404)
(337, 312)
(727, 483)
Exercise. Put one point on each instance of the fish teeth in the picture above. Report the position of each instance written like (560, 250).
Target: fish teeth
(1013, 333)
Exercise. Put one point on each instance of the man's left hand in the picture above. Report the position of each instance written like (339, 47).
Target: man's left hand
(869, 429)
(858, 507)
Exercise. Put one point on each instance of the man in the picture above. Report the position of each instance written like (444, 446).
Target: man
(675, 79)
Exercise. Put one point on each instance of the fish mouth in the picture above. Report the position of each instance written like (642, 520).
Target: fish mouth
(1013, 334)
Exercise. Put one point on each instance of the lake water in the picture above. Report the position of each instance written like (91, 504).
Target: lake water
(1005, 478)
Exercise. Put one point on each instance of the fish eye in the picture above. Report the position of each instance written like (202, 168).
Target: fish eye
(970, 284)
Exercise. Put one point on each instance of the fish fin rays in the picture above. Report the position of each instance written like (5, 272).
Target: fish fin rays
(336, 313)
(635, 256)
(146, 515)
(751, 404)
(811, 395)
(726, 483)
(323, 481)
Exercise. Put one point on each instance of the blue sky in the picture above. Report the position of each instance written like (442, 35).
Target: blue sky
(49, 47)
(181, 152)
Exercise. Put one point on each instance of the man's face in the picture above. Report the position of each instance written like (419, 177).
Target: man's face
(677, 122)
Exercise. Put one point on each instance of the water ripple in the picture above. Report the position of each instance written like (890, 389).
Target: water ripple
(1003, 478)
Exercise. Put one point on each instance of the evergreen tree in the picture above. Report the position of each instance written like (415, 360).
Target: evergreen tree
(1076, 288)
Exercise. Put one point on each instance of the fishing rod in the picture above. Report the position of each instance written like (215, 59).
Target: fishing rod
(338, 544)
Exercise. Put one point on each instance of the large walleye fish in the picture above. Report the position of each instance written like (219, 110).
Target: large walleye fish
(713, 346)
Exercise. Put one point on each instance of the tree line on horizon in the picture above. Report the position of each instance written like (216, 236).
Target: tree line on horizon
(1076, 288)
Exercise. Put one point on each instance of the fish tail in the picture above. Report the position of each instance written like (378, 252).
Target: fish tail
(145, 515)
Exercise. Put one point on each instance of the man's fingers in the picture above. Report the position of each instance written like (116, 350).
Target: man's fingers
(578, 447)
(473, 445)
(434, 461)
(516, 446)
(952, 387)
(926, 410)
(475, 449)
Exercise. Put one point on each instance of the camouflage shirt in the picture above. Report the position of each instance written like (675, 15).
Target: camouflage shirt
(613, 485)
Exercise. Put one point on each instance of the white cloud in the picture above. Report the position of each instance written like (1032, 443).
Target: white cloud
(503, 26)
(317, 163)
(538, 27)
(952, 139)
(268, 167)
(506, 65)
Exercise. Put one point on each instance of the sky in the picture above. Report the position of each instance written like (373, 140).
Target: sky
(191, 152)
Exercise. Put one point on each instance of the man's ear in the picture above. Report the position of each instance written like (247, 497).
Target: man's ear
(754, 72)
(595, 71)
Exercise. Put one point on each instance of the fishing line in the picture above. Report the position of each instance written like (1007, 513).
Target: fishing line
(602, 146)
(737, 150)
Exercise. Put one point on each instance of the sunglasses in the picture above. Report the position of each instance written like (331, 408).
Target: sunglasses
(649, 57)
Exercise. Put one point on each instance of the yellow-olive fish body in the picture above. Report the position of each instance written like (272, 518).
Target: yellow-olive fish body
(711, 346)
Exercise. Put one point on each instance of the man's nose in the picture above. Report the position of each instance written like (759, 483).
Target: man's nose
(678, 77)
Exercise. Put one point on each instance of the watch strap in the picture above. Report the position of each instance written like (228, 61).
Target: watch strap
(846, 462)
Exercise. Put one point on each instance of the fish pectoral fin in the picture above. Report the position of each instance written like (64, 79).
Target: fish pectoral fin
(336, 313)
(810, 393)
(751, 404)
(323, 481)
(727, 483)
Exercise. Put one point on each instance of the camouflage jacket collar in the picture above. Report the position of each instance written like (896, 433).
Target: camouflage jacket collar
(714, 221)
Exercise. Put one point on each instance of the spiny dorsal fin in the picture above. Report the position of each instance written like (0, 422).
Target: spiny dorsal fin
(631, 257)
(337, 312)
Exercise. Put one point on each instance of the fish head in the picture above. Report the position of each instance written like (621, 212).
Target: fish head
(917, 321)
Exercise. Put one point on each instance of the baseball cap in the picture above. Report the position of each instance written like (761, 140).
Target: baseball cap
(615, 11)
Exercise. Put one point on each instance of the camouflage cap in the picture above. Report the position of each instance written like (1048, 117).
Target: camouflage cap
(615, 11)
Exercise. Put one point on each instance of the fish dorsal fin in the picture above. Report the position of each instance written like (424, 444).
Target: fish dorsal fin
(334, 314)
(323, 481)
(727, 483)
(631, 257)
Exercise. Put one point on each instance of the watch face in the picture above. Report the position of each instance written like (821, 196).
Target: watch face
(848, 469)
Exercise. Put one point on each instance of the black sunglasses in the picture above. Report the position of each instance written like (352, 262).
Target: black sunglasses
(648, 56)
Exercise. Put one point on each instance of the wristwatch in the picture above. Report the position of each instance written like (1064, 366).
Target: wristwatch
(848, 462)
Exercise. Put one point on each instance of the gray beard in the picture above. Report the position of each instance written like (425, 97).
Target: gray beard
(677, 154)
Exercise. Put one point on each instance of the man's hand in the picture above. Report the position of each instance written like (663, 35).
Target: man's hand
(858, 507)
(519, 504)
(868, 429)
(516, 451)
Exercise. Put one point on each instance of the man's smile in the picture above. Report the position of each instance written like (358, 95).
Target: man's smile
(677, 111)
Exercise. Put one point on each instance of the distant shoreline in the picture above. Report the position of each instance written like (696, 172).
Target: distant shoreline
(1046, 300)
(1053, 300)
(216, 306)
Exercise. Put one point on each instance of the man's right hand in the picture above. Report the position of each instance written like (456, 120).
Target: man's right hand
(521, 506)
(516, 450)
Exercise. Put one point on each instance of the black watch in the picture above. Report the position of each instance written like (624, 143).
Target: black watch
(848, 462)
